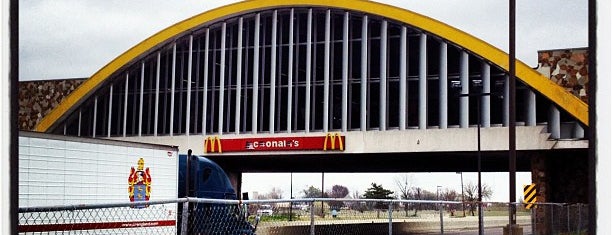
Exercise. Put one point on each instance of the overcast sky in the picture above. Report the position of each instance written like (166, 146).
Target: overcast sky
(74, 38)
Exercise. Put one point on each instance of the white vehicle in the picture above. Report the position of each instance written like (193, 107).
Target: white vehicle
(265, 210)
(62, 170)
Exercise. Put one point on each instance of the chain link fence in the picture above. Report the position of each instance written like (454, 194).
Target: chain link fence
(300, 216)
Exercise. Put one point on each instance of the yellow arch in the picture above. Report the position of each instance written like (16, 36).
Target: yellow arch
(557, 94)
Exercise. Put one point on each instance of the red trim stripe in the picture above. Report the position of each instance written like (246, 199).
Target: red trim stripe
(90, 226)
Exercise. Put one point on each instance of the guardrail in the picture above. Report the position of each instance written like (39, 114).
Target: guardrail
(299, 216)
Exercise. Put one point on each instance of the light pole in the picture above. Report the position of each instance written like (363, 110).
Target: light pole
(462, 197)
(441, 211)
(291, 197)
(478, 152)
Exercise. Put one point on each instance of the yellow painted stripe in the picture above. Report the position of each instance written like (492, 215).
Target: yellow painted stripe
(557, 94)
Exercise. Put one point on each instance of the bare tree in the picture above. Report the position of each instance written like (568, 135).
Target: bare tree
(404, 184)
(450, 195)
(471, 195)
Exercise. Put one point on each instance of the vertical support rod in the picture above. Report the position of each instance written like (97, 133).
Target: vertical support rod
(531, 108)
(79, 130)
(110, 111)
(125, 101)
(480, 211)
(441, 208)
(173, 86)
(185, 218)
(156, 112)
(326, 71)
(554, 126)
(308, 70)
(222, 79)
(312, 221)
(290, 87)
(390, 210)
(256, 65)
(423, 82)
(142, 74)
(205, 89)
(443, 86)
(364, 71)
(402, 81)
(345, 67)
(464, 102)
(189, 66)
(485, 113)
(512, 127)
(506, 111)
(95, 115)
(238, 78)
(272, 104)
(382, 114)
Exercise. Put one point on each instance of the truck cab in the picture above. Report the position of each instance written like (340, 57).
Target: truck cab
(200, 177)
(206, 179)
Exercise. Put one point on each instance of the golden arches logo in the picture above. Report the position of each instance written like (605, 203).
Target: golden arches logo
(210, 143)
(333, 137)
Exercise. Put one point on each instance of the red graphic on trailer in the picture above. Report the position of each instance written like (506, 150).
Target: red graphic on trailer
(139, 182)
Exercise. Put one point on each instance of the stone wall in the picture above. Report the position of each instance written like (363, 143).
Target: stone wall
(568, 68)
(38, 98)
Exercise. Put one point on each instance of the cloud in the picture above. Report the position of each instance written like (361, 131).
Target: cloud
(66, 38)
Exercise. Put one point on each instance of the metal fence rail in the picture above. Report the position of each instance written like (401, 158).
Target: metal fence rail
(298, 216)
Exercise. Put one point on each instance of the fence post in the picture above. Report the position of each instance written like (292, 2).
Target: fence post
(568, 217)
(534, 219)
(185, 217)
(312, 221)
(390, 218)
(579, 217)
(441, 219)
(552, 218)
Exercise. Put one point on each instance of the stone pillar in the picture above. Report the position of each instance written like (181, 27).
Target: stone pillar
(539, 177)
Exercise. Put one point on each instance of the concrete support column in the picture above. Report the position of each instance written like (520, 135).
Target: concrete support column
(205, 89)
(554, 122)
(443, 86)
(345, 68)
(255, 100)
(326, 69)
(464, 101)
(221, 80)
(189, 79)
(485, 102)
(423, 82)
(382, 114)
(506, 111)
(364, 72)
(531, 108)
(273, 72)
(578, 131)
(403, 83)
(238, 79)
(308, 70)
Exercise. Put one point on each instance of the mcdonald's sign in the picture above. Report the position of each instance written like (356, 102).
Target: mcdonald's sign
(529, 192)
(329, 142)
(333, 142)
(210, 143)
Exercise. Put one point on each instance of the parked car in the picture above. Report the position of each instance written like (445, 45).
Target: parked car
(265, 210)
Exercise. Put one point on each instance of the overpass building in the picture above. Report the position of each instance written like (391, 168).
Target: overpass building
(389, 86)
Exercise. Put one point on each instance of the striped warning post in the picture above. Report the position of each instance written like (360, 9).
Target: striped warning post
(529, 192)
